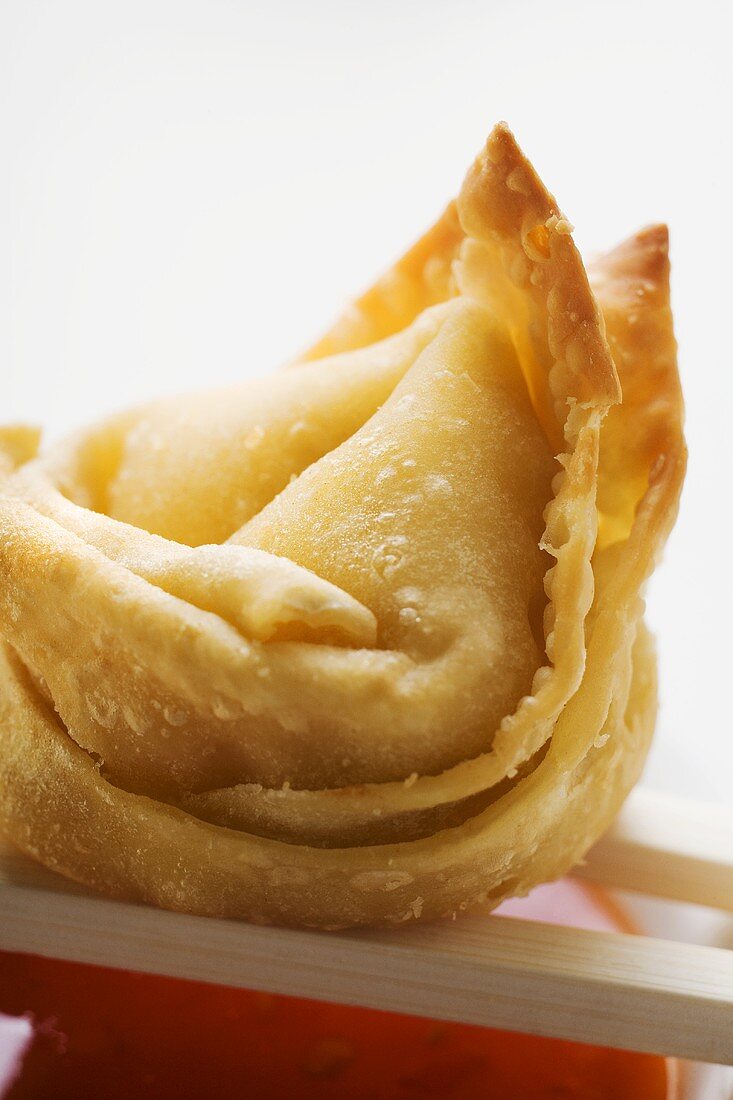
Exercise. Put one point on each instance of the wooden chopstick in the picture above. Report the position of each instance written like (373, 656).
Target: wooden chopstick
(625, 991)
(668, 847)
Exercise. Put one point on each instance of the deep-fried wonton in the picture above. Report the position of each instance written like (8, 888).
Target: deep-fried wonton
(360, 642)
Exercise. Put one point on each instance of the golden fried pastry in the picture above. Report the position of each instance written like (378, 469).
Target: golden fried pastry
(360, 642)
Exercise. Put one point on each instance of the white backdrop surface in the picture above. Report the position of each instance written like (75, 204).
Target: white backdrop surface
(189, 189)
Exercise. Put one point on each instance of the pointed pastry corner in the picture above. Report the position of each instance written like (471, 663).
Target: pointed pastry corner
(651, 241)
(504, 205)
(502, 192)
(639, 262)
(501, 138)
(643, 446)
(655, 237)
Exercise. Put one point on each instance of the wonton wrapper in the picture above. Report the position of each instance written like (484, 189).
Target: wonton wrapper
(349, 645)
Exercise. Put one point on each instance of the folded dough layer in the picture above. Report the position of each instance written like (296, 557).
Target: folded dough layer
(348, 646)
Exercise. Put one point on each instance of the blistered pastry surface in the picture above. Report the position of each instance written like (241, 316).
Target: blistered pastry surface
(347, 645)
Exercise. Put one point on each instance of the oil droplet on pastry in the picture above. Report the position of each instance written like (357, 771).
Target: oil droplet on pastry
(134, 721)
(299, 429)
(254, 438)
(408, 616)
(103, 711)
(388, 557)
(379, 449)
(386, 474)
(409, 596)
(174, 716)
(438, 485)
(223, 710)
(385, 881)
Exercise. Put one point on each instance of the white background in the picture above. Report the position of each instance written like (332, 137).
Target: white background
(189, 190)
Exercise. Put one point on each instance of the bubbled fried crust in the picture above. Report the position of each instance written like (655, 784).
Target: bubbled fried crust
(558, 768)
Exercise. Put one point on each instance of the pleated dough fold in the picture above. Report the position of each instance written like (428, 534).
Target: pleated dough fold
(360, 642)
